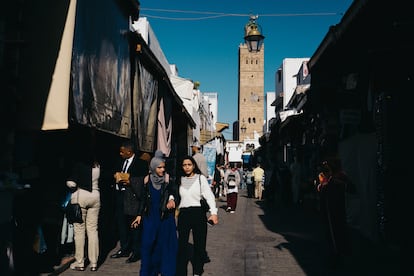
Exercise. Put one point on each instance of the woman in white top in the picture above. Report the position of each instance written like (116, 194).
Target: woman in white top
(192, 186)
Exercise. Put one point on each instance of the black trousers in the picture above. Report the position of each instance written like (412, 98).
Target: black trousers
(195, 220)
(216, 189)
(134, 236)
(129, 238)
(250, 190)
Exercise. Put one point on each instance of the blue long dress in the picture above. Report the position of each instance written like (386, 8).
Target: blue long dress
(159, 240)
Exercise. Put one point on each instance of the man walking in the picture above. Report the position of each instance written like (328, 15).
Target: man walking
(258, 174)
(130, 167)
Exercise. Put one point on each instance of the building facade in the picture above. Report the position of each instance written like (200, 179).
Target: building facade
(251, 92)
(355, 109)
(270, 110)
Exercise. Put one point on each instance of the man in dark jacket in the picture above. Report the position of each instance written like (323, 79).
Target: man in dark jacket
(131, 168)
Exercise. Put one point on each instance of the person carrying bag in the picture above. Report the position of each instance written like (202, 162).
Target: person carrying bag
(73, 211)
(192, 217)
(85, 179)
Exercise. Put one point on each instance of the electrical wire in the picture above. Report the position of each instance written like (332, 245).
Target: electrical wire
(213, 15)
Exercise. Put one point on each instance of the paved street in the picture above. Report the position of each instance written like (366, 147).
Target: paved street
(265, 240)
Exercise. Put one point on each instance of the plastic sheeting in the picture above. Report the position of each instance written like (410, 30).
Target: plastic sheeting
(146, 109)
(101, 68)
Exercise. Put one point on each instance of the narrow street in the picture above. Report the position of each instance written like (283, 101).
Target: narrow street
(267, 240)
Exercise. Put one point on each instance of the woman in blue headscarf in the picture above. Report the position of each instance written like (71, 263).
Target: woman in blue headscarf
(156, 213)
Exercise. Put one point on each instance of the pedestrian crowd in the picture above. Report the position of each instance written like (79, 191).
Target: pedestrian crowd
(155, 214)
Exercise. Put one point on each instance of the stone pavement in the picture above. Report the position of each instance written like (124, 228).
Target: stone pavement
(261, 240)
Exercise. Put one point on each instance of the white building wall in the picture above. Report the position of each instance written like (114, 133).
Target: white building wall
(289, 69)
(143, 27)
(213, 101)
(174, 70)
(270, 110)
(206, 113)
(235, 149)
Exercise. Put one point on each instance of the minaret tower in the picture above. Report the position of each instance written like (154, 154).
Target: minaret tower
(251, 82)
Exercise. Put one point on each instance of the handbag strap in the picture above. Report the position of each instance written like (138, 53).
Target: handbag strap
(77, 196)
(199, 182)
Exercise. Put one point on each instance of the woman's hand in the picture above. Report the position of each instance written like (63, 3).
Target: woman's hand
(213, 218)
(136, 222)
(171, 204)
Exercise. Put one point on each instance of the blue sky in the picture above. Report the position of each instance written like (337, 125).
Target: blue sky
(202, 38)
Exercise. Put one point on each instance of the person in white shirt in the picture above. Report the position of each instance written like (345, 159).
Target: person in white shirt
(192, 186)
(232, 180)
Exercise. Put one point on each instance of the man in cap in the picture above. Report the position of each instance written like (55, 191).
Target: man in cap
(200, 159)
